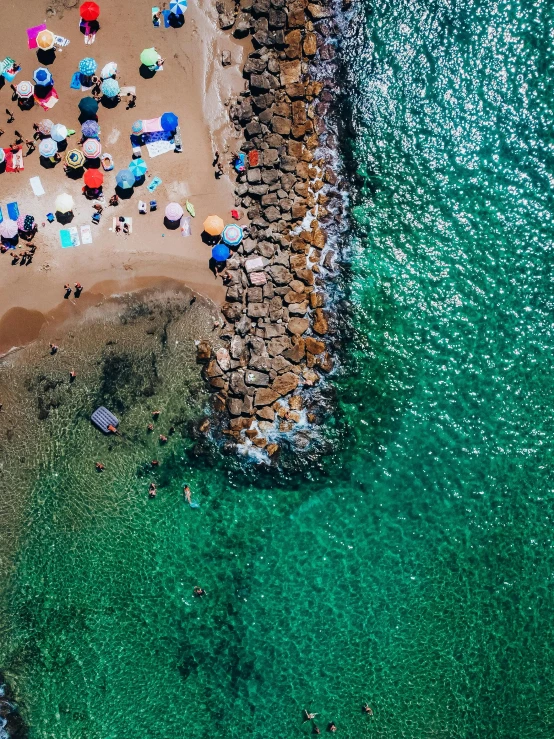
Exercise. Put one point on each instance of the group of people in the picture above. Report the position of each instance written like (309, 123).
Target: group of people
(68, 290)
(331, 726)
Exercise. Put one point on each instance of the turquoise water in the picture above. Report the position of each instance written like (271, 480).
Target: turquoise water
(412, 566)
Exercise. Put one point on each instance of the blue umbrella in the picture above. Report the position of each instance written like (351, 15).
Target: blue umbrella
(220, 253)
(232, 234)
(125, 179)
(178, 7)
(87, 66)
(43, 77)
(169, 121)
(91, 130)
(47, 148)
(138, 167)
(110, 88)
(137, 127)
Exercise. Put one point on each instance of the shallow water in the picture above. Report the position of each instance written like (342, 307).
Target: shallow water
(411, 567)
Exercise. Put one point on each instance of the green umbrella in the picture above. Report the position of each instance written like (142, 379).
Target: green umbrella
(149, 57)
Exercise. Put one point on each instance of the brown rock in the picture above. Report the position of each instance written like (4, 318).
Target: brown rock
(298, 326)
(319, 238)
(217, 382)
(266, 413)
(231, 311)
(298, 112)
(278, 345)
(296, 90)
(285, 384)
(297, 352)
(298, 309)
(254, 295)
(320, 324)
(325, 362)
(265, 396)
(251, 433)
(315, 346)
(310, 44)
(310, 376)
(213, 369)
(316, 300)
(257, 310)
(203, 351)
(295, 148)
(298, 261)
(297, 287)
(260, 442)
(272, 449)
(256, 379)
(223, 359)
(280, 364)
(296, 17)
(290, 72)
(280, 125)
(234, 406)
(306, 275)
(292, 297)
(219, 404)
(296, 403)
(280, 274)
(294, 41)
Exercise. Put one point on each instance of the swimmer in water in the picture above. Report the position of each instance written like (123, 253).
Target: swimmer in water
(367, 709)
(308, 716)
(187, 494)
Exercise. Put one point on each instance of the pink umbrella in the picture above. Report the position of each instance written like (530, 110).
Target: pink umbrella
(92, 148)
(173, 212)
(24, 89)
(8, 229)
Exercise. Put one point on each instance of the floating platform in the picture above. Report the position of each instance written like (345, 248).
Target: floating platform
(102, 418)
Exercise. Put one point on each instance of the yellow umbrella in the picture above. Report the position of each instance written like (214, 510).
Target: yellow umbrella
(45, 40)
(213, 225)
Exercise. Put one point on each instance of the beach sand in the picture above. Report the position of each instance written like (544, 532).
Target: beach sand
(193, 84)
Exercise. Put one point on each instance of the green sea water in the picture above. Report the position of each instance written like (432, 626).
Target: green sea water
(412, 566)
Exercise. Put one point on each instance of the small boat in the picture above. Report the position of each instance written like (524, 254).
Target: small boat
(107, 162)
(102, 418)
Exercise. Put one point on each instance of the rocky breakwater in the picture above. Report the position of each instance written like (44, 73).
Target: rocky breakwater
(278, 331)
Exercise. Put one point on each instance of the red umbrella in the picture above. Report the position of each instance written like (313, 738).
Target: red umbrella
(93, 178)
(89, 11)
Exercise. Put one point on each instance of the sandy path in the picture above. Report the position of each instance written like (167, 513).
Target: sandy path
(193, 84)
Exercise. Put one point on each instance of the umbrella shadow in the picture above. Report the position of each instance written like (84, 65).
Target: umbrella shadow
(43, 91)
(46, 56)
(171, 225)
(146, 73)
(46, 162)
(87, 117)
(124, 193)
(176, 20)
(3, 167)
(109, 103)
(64, 218)
(140, 181)
(89, 27)
(92, 163)
(210, 240)
(62, 145)
(74, 174)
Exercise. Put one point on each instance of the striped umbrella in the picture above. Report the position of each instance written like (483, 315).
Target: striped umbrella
(47, 148)
(58, 132)
(173, 212)
(125, 179)
(90, 129)
(24, 89)
(25, 223)
(137, 127)
(178, 7)
(108, 70)
(43, 77)
(92, 148)
(110, 88)
(87, 66)
(45, 126)
(232, 234)
(8, 229)
(220, 253)
(138, 167)
(74, 158)
(46, 40)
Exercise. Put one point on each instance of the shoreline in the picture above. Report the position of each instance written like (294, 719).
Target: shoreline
(279, 342)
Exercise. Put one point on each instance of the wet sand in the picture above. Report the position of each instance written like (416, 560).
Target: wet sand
(193, 84)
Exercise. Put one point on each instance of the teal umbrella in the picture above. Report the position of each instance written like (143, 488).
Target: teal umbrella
(110, 88)
(87, 66)
(138, 167)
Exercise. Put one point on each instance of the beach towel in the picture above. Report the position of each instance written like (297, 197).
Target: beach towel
(49, 101)
(61, 41)
(159, 147)
(127, 90)
(32, 34)
(1, 215)
(36, 185)
(69, 237)
(75, 83)
(86, 235)
(152, 125)
(166, 14)
(117, 222)
(13, 211)
(14, 161)
(154, 184)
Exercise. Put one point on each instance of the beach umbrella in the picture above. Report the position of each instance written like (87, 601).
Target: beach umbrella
(88, 106)
(110, 88)
(74, 158)
(178, 7)
(149, 57)
(220, 253)
(92, 149)
(232, 234)
(58, 132)
(108, 70)
(24, 89)
(90, 129)
(45, 126)
(2, 156)
(137, 127)
(169, 121)
(25, 223)
(64, 203)
(213, 225)
(173, 212)
(89, 11)
(43, 77)
(94, 178)
(47, 148)
(138, 167)
(46, 40)
(87, 66)
(8, 229)
(125, 179)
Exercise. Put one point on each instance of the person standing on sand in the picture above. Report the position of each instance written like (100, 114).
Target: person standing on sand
(67, 289)
(78, 289)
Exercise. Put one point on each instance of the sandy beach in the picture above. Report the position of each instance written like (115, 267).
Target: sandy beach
(193, 84)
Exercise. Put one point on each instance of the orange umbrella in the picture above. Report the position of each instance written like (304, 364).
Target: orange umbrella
(213, 225)
(45, 40)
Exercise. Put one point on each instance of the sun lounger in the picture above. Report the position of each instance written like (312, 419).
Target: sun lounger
(13, 211)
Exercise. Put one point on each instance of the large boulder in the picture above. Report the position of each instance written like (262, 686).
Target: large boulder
(320, 323)
(290, 72)
(298, 326)
(314, 346)
(265, 396)
(223, 359)
(278, 345)
(285, 384)
(258, 379)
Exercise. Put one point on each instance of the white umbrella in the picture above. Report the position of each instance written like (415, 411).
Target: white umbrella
(64, 203)
(108, 70)
(58, 132)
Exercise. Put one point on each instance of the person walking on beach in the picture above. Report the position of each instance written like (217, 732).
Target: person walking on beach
(53, 348)
(67, 289)
(78, 289)
(132, 102)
